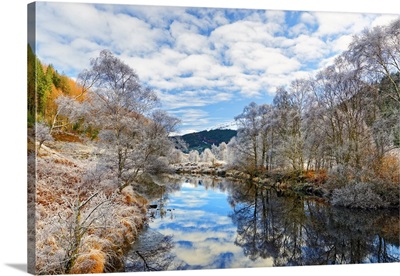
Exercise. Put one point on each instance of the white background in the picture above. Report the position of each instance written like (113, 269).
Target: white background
(13, 128)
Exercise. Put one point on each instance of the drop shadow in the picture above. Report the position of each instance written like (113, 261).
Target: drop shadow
(20, 267)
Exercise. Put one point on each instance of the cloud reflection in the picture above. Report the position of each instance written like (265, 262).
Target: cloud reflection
(203, 233)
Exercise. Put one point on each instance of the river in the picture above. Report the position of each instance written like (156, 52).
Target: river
(206, 223)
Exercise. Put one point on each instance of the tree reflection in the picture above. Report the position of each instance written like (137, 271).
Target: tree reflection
(152, 253)
(294, 231)
(214, 182)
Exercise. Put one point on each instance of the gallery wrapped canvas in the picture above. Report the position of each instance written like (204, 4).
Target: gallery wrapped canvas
(166, 138)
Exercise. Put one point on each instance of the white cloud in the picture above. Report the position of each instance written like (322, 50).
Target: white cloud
(174, 101)
(334, 23)
(309, 48)
(192, 117)
(308, 18)
(134, 36)
(192, 43)
(158, 66)
(383, 20)
(298, 29)
(342, 43)
(242, 31)
(197, 64)
(276, 19)
(257, 57)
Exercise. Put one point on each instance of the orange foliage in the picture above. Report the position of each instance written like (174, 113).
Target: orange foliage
(66, 137)
(51, 107)
(318, 177)
(389, 169)
(76, 90)
(72, 89)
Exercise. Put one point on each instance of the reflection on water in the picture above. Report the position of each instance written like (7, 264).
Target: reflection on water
(213, 223)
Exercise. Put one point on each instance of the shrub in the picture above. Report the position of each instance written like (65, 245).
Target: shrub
(389, 169)
(358, 195)
(317, 177)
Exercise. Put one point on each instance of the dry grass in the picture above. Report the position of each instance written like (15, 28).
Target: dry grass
(66, 137)
(60, 183)
(91, 262)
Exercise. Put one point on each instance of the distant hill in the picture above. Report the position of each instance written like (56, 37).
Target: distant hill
(206, 138)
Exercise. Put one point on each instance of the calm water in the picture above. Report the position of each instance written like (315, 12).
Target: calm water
(201, 223)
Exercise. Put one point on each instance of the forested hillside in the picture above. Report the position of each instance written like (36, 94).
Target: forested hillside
(45, 85)
(206, 138)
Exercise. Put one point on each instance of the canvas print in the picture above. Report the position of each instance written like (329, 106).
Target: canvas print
(186, 138)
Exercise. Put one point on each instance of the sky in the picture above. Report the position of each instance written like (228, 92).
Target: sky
(205, 64)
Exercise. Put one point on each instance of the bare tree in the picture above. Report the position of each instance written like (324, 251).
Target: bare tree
(207, 156)
(194, 156)
(79, 224)
(290, 112)
(118, 104)
(377, 52)
(42, 134)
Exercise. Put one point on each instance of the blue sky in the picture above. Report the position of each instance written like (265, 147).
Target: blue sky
(205, 64)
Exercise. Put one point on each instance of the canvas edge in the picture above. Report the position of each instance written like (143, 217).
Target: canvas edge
(31, 162)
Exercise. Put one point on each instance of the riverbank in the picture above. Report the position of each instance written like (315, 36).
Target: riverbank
(366, 193)
(310, 183)
(82, 224)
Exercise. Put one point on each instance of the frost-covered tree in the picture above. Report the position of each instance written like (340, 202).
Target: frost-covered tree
(133, 136)
(207, 156)
(194, 156)
(252, 149)
(153, 152)
(222, 152)
(344, 121)
(118, 103)
(69, 111)
(177, 156)
(248, 132)
(290, 114)
(42, 134)
(344, 97)
(377, 52)
(215, 150)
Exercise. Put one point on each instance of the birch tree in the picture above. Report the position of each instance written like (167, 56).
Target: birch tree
(253, 143)
(133, 135)
(377, 52)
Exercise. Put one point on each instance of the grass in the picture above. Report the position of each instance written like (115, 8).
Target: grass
(60, 181)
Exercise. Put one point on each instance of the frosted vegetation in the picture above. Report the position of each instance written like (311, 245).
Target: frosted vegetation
(337, 131)
(87, 210)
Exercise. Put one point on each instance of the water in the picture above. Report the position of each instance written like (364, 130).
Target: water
(205, 223)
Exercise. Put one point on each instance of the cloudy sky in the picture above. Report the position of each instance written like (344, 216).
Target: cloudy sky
(205, 64)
